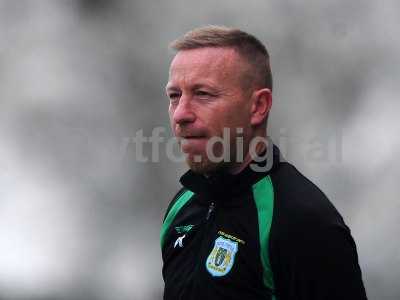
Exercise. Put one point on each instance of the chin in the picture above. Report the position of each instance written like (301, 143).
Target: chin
(204, 166)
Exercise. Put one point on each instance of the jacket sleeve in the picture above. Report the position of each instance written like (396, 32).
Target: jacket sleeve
(313, 255)
(317, 261)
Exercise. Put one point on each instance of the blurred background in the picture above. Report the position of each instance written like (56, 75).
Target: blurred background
(80, 214)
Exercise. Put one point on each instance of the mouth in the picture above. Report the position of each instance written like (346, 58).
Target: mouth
(191, 137)
(192, 143)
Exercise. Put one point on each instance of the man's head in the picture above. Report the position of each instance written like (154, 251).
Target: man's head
(219, 82)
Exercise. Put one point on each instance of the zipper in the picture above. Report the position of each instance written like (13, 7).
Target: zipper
(210, 210)
(207, 224)
(204, 228)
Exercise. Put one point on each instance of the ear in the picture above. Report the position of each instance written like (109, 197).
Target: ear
(262, 102)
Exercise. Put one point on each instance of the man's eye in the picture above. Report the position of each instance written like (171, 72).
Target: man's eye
(203, 94)
(173, 96)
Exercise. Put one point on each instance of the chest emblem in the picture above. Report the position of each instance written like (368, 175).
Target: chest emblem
(220, 260)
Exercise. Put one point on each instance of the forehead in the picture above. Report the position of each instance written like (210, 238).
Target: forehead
(208, 64)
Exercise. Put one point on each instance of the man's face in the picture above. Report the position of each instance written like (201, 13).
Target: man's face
(206, 95)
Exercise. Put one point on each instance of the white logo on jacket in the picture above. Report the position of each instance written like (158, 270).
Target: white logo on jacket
(179, 241)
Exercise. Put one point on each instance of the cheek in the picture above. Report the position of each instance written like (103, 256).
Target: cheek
(237, 116)
(216, 120)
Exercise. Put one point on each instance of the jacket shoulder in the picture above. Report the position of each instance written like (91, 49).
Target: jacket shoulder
(299, 200)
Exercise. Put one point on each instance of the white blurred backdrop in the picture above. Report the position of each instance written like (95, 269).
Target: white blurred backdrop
(80, 215)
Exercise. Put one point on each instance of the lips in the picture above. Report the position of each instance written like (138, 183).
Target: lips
(191, 137)
(192, 144)
(189, 131)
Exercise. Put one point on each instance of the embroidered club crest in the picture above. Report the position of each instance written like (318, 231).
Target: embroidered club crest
(222, 257)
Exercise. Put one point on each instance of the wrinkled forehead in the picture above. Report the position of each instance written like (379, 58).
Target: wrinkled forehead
(222, 64)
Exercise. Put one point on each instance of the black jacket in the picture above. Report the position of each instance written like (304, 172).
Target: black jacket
(257, 235)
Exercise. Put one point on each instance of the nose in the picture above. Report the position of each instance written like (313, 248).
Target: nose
(183, 112)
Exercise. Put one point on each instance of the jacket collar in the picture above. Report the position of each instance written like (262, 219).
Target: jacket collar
(223, 186)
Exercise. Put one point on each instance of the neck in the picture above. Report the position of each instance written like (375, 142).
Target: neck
(239, 167)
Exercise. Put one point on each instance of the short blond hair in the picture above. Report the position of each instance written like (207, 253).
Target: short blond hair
(247, 46)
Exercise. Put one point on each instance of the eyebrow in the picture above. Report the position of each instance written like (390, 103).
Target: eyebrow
(202, 85)
(170, 87)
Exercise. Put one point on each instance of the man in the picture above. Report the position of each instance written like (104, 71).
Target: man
(245, 225)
